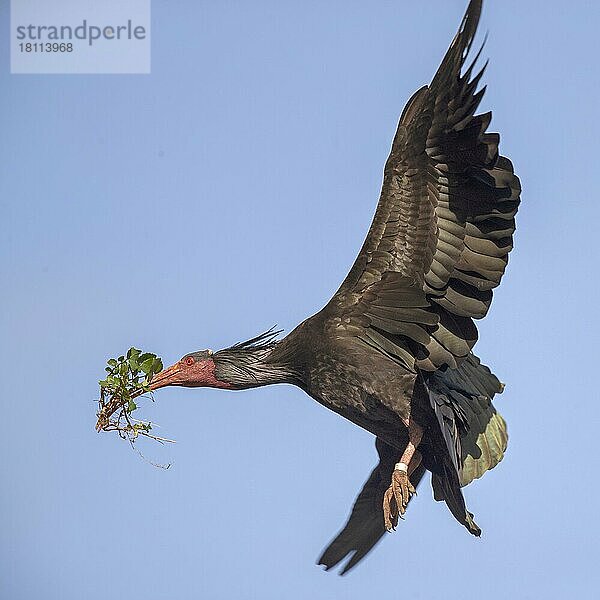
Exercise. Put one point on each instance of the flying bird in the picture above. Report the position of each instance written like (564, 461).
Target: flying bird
(392, 350)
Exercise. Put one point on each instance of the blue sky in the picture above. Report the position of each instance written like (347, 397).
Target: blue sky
(231, 190)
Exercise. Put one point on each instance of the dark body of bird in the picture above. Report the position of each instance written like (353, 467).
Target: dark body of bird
(391, 351)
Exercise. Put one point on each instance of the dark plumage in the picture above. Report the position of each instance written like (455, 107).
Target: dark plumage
(392, 350)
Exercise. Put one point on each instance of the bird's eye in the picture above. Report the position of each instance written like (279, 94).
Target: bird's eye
(189, 360)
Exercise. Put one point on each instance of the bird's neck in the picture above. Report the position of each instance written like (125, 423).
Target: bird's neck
(252, 368)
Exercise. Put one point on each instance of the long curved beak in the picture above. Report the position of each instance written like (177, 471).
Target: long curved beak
(168, 376)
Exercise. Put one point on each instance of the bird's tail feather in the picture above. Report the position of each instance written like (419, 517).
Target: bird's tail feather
(473, 433)
(446, 487)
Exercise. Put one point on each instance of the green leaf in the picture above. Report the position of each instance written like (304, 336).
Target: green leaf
(131, 406)
(133, 352)
(112, 362)
(146, 366)
(105, 383)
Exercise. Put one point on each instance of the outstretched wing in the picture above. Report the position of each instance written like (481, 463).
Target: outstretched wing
(441, 235)
(364, 527)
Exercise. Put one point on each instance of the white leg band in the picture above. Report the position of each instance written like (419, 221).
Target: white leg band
(401, 467)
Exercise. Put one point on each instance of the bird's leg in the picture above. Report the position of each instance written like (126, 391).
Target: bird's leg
(396, 497)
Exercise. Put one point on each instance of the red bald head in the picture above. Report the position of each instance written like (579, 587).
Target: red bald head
(193, 370)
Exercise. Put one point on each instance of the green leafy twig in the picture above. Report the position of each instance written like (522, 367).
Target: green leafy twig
(128, 378)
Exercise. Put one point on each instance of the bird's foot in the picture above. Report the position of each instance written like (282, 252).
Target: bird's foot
(396, 497)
